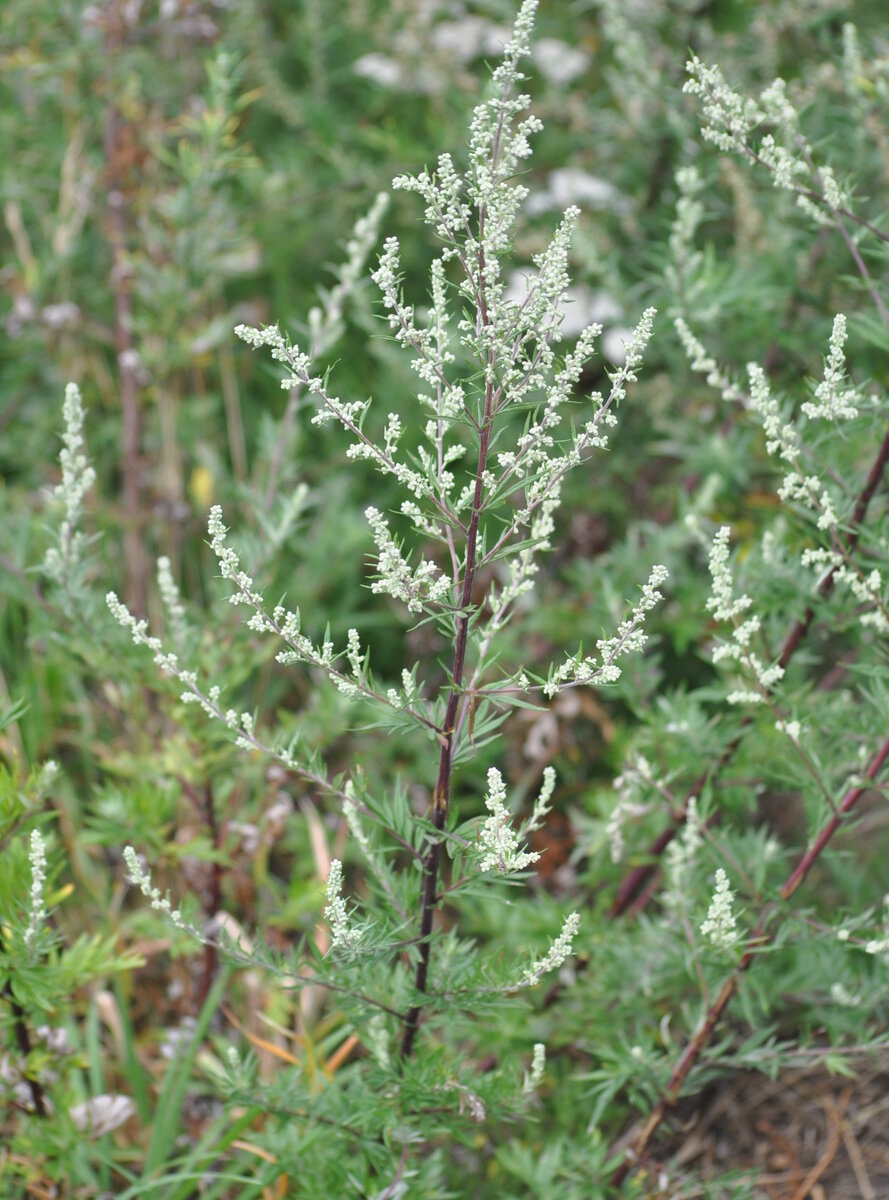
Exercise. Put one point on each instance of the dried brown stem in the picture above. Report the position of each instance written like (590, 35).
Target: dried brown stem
(118, 162)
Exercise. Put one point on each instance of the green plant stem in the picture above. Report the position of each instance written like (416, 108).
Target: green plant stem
(442, 794)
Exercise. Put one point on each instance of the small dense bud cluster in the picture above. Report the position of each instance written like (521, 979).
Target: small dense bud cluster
(77, 478)
(726, 606)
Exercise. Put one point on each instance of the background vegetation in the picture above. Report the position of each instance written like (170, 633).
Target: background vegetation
(172, 169)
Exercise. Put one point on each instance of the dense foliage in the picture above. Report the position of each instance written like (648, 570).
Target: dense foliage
(443, 684)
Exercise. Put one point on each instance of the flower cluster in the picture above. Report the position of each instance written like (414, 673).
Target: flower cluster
(704, 363)
(423, 585)
(326, 320)
(781, 437)
(499, 841)
(630, 638)
(728, 117)
(241, 724)
(344, 935)
(866, 588)
(720, 926)
(730, 122)
(534, 1077)
(684, 259)
(832, 401)
(139, 875)
(726, 606)
(559, 952)
(635, 778)
(77, 478)
(169, 591)
(681, 856)
(37, 858)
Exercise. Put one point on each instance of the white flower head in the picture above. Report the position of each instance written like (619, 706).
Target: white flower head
(77, 478)
(344, 935)
(534, 1077)
(681, 855)
(720, 927)
(833, 401)
(139, 875)
(499, 841)
(558, 953)
(171, 598)
(37, 859)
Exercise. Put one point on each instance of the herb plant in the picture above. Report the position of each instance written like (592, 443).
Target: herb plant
(398, 981)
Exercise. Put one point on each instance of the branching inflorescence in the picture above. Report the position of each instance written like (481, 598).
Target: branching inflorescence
(469, 506)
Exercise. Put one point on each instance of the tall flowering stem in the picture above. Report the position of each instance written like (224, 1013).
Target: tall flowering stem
(442, 795)
(496, 147)
(510, 345)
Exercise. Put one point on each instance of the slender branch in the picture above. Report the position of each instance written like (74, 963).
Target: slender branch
(212, 709)
(205, 803)
(253, 957)
(755, 943)
(442, 794)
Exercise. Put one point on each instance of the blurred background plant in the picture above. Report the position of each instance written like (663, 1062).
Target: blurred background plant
(172, 169)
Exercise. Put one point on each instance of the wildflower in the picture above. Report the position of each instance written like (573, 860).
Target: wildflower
(415, 588)
(793, 729)
(141, 877)
(172, 600)
(557, 954)
(728, 116)
(538, 1065)
(499, 840)
(832, 403)
(37, 859)
(77, 478)
(47, 775)
(635, 776)
(720, 925)
(681, 854)
(344, 935)
(630, 637)
(726, 606)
